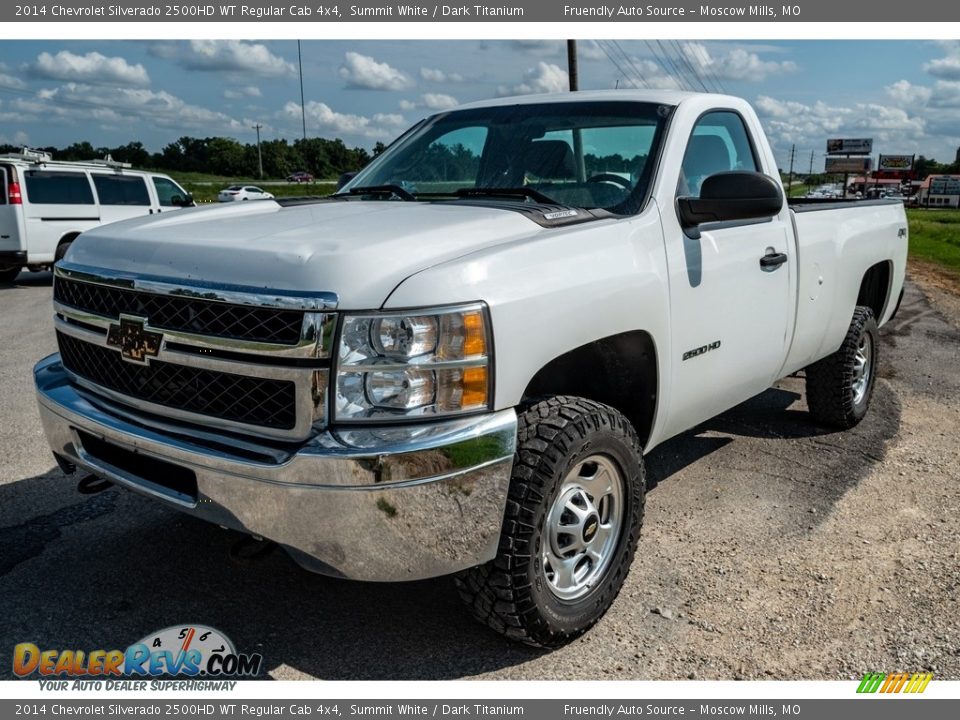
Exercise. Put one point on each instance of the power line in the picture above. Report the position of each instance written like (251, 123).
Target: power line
(677, 67)
(633, 77)
(662, 62)
(686, 62)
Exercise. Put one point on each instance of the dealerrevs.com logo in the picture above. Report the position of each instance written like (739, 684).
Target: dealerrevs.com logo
(193, 652)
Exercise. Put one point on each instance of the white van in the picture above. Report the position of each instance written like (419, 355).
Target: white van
(45, 204)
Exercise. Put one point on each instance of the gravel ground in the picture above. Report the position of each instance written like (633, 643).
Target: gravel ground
(772, 548)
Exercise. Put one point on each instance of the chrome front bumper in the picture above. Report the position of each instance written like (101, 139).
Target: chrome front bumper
(384, 504)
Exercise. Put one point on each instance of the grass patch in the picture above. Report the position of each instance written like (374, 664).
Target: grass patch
(935, 237)
(205, 191)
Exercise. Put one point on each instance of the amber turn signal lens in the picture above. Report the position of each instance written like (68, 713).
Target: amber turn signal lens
(475, 341)
(474, 387)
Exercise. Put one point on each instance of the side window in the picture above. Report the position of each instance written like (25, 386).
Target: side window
(58, 188)
(167, 190)
(3, 186)
(121, 189)
(719, 143)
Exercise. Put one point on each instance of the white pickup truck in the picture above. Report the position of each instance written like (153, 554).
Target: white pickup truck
(455, 364)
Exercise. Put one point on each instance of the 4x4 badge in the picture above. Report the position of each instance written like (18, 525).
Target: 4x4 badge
(135, 342)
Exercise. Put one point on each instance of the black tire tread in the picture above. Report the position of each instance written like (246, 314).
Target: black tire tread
(828, 380)
(499, 593)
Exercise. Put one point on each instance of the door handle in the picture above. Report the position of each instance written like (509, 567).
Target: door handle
(771, 261)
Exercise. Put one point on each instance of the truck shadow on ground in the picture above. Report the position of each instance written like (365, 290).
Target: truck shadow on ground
(102, 571)
(38, 279)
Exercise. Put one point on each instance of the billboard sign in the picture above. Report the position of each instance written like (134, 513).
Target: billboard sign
(848, 165)
(945, 185)
(849, 146)
(895, 163)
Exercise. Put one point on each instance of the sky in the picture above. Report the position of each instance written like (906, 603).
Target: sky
(903, 94)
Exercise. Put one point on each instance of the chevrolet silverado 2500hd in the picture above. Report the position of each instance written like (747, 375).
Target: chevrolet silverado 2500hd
(455, 364)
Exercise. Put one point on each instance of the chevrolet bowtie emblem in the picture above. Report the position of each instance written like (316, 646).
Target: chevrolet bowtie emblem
(136, 343)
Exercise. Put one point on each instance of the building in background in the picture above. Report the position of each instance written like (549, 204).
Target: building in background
(939, 191)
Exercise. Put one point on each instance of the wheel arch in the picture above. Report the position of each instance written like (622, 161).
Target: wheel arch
(875, 288)
(618, 370)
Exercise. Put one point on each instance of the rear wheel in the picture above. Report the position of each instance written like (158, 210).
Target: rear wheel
(839, 386)
(8, 275)
(572, 522)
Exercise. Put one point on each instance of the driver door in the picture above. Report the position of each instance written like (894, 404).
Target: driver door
(731, 317)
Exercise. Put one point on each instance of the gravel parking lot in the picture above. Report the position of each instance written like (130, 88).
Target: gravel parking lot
(772, 547)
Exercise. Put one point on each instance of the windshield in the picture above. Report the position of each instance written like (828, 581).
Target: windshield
(582, 154)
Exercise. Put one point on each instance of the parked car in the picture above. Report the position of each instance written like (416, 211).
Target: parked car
(45, 204)
(455, 364)
(243, 192)
(300, 177)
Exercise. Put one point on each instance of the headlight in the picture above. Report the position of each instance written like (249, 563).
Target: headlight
(413, 364)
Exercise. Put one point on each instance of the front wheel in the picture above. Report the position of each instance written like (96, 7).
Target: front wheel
(572, 522)
(840, 385)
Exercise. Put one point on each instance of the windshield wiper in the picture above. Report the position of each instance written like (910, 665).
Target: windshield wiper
(517, 192)
(395, 190)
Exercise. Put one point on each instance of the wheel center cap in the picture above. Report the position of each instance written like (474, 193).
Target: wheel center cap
(590, 527)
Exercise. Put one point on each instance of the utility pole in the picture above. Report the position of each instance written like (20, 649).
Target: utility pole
(259, 156)
(574, 74)
(811, 161)
(572, 68)
(303, 109)
(793, 153)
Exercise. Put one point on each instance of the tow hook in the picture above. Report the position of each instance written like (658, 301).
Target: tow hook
(250, 549)
(91, 485)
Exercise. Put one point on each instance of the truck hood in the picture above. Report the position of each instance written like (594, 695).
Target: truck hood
(360, 250)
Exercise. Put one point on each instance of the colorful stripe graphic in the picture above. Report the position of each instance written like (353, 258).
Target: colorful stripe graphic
(894, 682)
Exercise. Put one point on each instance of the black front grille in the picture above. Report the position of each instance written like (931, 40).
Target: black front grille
(252, 401)
(187, 314)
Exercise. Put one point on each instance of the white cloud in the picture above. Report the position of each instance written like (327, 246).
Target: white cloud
(235, 56)
(438, 101)
(905, 93)
(80, 103)
(544, 78)
(430, 101)
(440, 76)
(8, 80)
(92, 68)
(735, 64)
(322, 117)
(654, 76)
(808, 126)
(363, 72)
(247, 91)
(947, 68)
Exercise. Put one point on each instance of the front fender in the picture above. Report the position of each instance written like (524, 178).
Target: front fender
(555, 291)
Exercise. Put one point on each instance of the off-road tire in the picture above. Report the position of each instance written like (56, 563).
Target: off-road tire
(8, 275)
(510, 593)
(830, 394)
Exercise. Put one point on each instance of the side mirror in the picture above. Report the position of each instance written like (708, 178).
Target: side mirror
(728, 196)
(179, 201)
(345, 178)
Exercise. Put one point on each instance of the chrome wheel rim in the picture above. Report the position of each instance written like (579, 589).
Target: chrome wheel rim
(582, 528)
(862, 360)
